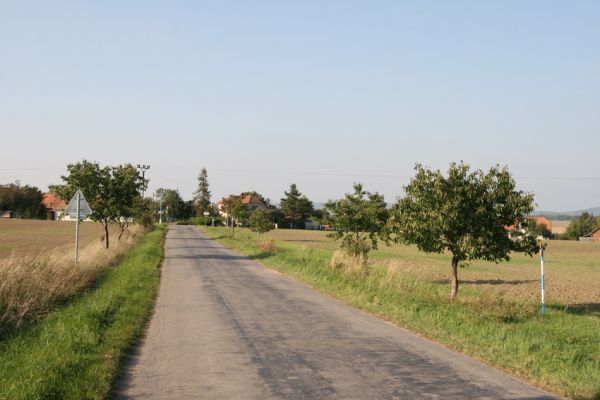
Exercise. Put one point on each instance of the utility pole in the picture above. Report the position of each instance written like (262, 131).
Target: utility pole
(143, 168)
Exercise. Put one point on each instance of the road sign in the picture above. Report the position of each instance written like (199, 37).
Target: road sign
(206, 213)
(83, 209)
(78, 208)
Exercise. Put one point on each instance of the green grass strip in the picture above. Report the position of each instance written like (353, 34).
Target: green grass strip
(75, 351)
(560, 351)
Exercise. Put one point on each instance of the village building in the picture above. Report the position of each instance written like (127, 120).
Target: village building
(54, 205)
(250, 201)
(593, 236)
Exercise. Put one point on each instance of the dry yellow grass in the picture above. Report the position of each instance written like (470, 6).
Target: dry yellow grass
(32, 283)
(32, 237)
(559, 227)
(572, 268)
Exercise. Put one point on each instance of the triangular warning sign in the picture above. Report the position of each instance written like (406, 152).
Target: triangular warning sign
(84, 207)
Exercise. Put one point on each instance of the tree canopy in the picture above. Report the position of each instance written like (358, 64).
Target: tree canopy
(582, 225)
(202, 194)
(295, 207)
(112, 192)
(465, 213)
(24, 200)
(260, 221)
(359, 220)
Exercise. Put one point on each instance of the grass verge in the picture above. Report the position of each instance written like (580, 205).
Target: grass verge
(75, 351)
(560, 351)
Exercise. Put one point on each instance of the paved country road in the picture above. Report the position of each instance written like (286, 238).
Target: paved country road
(226, 327)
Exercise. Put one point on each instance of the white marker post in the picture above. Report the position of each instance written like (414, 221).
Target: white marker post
(78, 208)
(542, 248)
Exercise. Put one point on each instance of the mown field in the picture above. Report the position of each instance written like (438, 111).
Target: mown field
(495, 317)
(572, 269)
(33, 237)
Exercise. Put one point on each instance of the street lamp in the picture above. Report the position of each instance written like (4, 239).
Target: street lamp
(143, 168)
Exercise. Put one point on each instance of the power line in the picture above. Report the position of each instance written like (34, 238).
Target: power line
(315, 173)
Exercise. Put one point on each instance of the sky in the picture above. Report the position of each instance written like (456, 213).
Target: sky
(323, 94)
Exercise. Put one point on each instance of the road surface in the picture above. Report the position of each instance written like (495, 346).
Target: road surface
(226, 327)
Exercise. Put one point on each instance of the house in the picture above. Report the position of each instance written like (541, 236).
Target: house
(8, 214)
(250, 201)
(55, 206)
(593, 236)
(311, 225)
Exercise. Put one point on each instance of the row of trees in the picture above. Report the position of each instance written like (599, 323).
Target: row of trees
(466, 214)
(293, 211)
(113, 193)
(470, 214)
(23, 200)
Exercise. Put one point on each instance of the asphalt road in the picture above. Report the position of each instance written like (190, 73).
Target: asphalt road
(226, 327)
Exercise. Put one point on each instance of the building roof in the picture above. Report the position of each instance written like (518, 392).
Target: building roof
(246, 199)
(592, 233)
(250, 199)
(52, 201)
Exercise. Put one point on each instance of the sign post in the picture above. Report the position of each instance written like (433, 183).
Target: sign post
(78, 208)
(206, 214)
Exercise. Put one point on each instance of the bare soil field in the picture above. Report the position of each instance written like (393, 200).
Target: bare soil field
(34, 237)
(572, 269)
(560, 227)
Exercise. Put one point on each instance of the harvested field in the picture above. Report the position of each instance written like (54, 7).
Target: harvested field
(559, 227)
(34, 237)
(572, 269)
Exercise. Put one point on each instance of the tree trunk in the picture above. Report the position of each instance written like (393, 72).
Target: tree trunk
(106, 242)
(454, 280)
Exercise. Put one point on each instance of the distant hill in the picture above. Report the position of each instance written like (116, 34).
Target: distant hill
(566, 215)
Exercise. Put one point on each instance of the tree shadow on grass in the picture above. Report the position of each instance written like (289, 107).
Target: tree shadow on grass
(592, 309)
(488, 281)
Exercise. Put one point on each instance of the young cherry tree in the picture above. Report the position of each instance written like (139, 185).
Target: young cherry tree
(359, 220)
(465, 213)
(260, 222)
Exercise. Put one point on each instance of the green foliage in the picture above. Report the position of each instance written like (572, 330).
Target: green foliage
(582, 225)
(260, 221)
(537, 230)
(236, 211)
(359, 220)
(173, 206)
(295, 207)
(25, 201)
(112, 192)
(320, 216)
(465, 213)
(202, 194)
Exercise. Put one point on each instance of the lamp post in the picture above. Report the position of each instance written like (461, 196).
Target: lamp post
(143, 168)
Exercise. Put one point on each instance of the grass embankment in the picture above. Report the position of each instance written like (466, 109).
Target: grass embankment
(560, 351)
(31, 285)
(75, 350)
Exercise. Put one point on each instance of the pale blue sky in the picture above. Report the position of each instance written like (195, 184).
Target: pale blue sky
(319, 93)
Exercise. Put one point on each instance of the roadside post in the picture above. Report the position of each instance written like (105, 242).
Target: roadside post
(78, 208)
(542, 250)
(206, 214)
